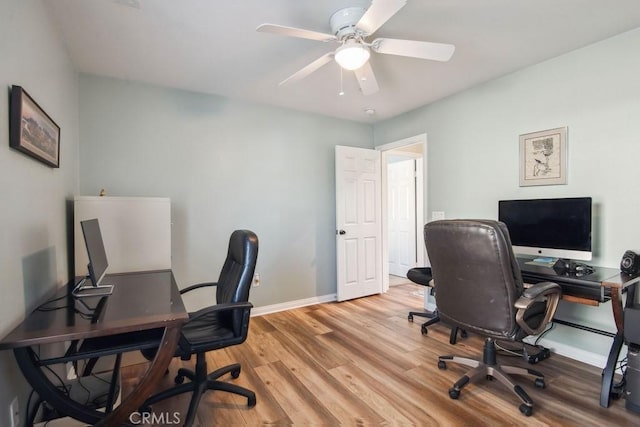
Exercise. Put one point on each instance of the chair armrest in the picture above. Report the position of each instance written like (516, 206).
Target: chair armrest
(197, 286)
(231, 306)
(536, 293)
(548, 292)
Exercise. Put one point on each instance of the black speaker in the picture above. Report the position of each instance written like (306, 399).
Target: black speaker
(630, 263)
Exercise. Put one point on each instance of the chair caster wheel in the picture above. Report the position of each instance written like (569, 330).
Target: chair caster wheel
(539, 382)
(410, 318)
(179, 379)
(442, 364)
(526, 409)
(453, 393)
(235, 374)
(424, 331)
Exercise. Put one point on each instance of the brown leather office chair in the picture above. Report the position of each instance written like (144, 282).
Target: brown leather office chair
(221, 325)
(480, 290)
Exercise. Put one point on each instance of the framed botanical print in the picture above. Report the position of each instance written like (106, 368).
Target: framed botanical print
(543, 157)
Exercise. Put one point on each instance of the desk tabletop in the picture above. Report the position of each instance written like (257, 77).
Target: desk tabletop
(598, 276)
(621, 280)
(593, 286)
(140, 301)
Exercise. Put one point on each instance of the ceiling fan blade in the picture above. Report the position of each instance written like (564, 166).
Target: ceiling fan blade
(378, 13)
(366, 79)
(295, 32)
(304, 72)
(414, 49)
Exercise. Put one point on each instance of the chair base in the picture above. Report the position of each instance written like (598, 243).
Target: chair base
(200, 382)
(489, 369)
(434, 318)
(431, 315)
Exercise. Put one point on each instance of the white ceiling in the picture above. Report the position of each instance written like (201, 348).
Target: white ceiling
(211, 46)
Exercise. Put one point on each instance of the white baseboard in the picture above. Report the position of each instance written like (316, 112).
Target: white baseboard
(289, 305)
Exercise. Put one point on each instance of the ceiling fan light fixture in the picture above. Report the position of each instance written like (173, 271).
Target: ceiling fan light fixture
(352, 55)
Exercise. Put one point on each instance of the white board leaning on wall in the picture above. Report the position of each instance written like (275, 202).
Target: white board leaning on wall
(136, 232)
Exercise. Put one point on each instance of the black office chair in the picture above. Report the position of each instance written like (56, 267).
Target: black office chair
(218, 326)
(480, 289)
(422, 276)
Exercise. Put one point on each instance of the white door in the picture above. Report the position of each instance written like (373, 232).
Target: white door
(358, 222)
(401, 183)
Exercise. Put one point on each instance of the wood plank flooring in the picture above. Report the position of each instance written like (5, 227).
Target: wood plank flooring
(361, 363)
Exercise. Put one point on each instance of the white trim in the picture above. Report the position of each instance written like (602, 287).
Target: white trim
(417, 139)
(421, 251)
(290, 305)
(385, 220)
(421, 138)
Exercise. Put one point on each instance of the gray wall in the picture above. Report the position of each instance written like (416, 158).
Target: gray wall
(473, 146)
(33, 218)
(225, 165)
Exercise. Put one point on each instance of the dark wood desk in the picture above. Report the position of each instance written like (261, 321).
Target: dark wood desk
(603, 285)
(145, 309)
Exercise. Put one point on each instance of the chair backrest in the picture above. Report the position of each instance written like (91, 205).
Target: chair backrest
(237, 272)
(476, 275)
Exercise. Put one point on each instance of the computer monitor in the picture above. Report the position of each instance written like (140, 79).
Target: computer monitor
(555, 228)
(98, 262)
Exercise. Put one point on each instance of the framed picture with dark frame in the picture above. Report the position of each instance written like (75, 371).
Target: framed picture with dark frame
(31, 130)
(543, 157)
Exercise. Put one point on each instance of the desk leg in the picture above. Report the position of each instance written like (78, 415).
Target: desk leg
(148, 385)
(610, 370)
(28, 363)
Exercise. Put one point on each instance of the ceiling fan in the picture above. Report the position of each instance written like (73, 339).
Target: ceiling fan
(351, 27)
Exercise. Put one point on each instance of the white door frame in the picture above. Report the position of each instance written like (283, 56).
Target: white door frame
(421, 185)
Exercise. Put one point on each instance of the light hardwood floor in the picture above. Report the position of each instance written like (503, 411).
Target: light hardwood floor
(361, 362)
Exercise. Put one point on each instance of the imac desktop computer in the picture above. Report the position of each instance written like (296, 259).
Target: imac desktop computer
(556, 231)
(97, 263)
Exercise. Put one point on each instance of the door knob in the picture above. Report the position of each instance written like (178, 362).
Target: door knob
(341, 232)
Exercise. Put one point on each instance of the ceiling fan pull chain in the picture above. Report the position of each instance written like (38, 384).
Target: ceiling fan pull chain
(341, 88)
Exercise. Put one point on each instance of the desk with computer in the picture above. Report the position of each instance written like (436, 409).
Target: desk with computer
(134, 311)
(553, 237)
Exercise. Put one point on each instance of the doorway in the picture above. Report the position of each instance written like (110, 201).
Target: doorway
(403, 187)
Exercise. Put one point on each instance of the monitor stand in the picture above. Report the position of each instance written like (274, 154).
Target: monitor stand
(82, 290)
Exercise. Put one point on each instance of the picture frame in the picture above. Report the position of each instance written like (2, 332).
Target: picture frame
(31, 130)
(543, 157)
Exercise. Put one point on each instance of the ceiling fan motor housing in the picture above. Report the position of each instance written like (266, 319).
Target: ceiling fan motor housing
(343, 22)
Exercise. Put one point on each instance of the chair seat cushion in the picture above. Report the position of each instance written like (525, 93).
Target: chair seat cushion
(200, 335)
(205, 329)
(420, 275)
(207, 333)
